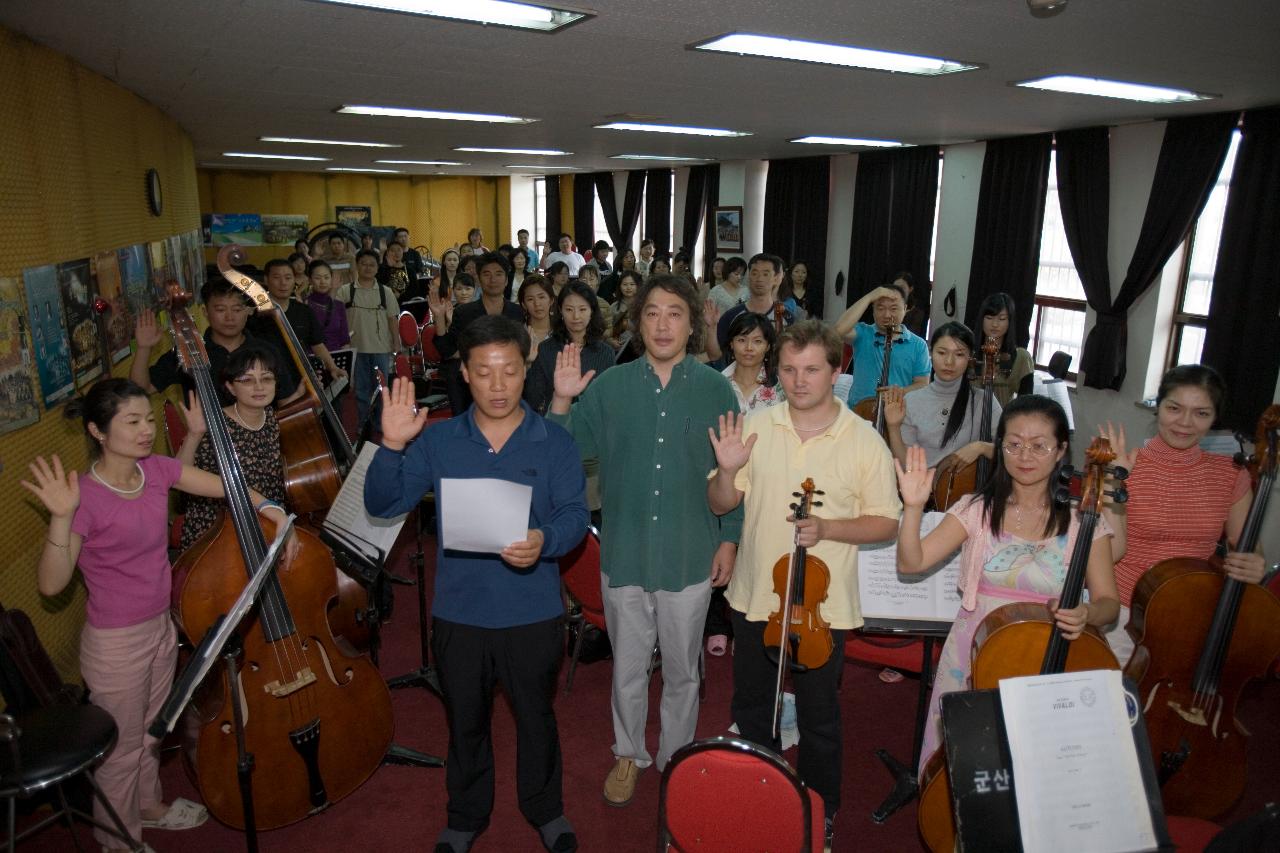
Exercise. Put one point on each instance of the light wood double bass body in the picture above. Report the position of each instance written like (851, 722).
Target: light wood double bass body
(1020, 639)
(1201, 636)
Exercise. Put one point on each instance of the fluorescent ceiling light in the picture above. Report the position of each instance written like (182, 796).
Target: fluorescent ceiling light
(377, 171)
(543, 152)
(523, 15)
(658, 157)
(849, 141)
(422, 162)
(798, 50)
(443, 115)
(273, 156)
(543, 168)
(1072, 84)
(326, 142)
(669, 128)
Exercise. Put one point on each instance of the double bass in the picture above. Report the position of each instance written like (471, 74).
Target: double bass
(1191, 661)
(316, 719)
(1021, 639)
(796, 633)
(872, 408)
(958, 482)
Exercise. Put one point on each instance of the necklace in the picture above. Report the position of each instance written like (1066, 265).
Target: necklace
(817, 429)
(1017, 511)
(93, 469)
(236, 408)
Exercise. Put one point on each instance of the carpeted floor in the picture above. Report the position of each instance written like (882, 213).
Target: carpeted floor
(401, 809)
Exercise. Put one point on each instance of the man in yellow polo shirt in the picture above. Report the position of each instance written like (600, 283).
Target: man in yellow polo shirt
(762, 460)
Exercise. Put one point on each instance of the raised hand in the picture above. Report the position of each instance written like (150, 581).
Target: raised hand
(147, 332)
(915, 482)
(401, 418)
(58, 491)
(193, 415)
(1125, 457)
(895, 410)
(711, 314)
(731, 451)
(569, 379)
(441, 307)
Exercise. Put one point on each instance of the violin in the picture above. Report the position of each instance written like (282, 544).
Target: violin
(801, 583)
(779, 317)
(316, 719)
(1021, 639)
(958, 482)
(872, 408)
(1192, 660)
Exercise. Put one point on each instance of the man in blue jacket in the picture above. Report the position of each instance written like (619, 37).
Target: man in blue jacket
(496, 617)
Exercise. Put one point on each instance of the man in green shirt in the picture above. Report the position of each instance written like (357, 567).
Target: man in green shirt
(663, 549)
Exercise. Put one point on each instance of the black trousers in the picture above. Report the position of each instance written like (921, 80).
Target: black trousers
(817, 706)
(526, 659)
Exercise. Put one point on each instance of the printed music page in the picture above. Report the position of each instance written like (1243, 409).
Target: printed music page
(349, 520)
(483, 514)
(883, 593)
(1075, 766)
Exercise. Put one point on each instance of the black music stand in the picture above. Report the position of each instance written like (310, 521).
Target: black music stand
(221, 640)
(905, 783)
(424, 676)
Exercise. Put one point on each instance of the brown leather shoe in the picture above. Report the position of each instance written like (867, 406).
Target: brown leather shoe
(620, 786)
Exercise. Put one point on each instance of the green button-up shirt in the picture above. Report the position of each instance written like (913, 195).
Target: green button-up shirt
(659, 532)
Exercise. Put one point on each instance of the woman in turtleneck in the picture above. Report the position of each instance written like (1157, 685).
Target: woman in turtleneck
(1181, 499)
(943, 417)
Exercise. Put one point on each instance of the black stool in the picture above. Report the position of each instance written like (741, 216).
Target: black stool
(47, 747)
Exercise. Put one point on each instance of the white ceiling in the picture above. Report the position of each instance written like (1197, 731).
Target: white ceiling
(230, 71)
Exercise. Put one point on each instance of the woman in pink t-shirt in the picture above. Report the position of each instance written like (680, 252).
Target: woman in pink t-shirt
(113, 523)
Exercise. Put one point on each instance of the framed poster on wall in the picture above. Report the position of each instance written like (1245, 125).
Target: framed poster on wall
(728, 229)
(354, 216)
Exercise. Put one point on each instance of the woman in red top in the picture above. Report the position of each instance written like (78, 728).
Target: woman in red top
(1181, 499)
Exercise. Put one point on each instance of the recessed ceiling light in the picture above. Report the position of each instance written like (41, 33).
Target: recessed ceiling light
(422, 162)
(273, 156)
(543, 168)
(1074, 85)
(544, 152)
(798, 50)
(669, 128)
(326, 142)
(443, 115)
(523, 15)
(659, 157)
(849, 141)
(376, 171)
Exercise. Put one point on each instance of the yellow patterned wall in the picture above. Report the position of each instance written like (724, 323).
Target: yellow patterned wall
(437, 210)
(73, 156)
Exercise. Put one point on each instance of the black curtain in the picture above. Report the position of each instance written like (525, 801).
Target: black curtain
(1084, 194)
(1243, 324)
(1006, 241)
(620, 231)
(695, 203)
(584, 211)
(712, 185)
(552, 212)
(894, 197)
(657, 209)
(796, 196)
(1191, 157)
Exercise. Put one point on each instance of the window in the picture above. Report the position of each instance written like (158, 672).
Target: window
(602, 231)
(1200, 256)
(539, 211)
(599, 228)
(1057, 320)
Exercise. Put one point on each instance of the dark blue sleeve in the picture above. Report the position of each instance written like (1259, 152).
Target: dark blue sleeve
(396, 482)
(569, 516)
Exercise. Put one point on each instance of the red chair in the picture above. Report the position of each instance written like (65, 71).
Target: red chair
(1191, 834)
(580, 575)
(725, 794)
(175, 431)
(901, 654)
(846, 358)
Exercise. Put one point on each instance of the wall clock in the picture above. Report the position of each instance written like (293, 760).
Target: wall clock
(155, 195)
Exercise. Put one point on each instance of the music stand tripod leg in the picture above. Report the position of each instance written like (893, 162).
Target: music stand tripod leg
(425, 675)
(244, 759)
(905, 784)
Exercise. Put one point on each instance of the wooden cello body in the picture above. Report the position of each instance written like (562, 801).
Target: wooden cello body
(958, 482)
(872, 408)
(1192, 660)
(1020, 639)
(316, 719)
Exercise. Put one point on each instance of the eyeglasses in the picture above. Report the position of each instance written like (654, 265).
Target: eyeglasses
(246, 381)
(1038, 450)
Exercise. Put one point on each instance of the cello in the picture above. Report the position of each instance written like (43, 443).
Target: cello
(801, 583)
(958, 482)
(1020, 639)
(315, 447)
(872, 408)
(316, 719)
(1191, 661)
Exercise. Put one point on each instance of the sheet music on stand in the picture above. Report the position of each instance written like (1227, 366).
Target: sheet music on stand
(890, 601)
(349, 523)
(1056, 390)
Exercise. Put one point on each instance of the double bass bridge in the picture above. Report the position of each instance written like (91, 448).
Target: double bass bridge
(301, 679)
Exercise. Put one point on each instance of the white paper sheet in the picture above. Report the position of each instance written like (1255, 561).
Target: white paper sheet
(484, 515)
(885, 594)
(351, 522)
(1075, 765)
